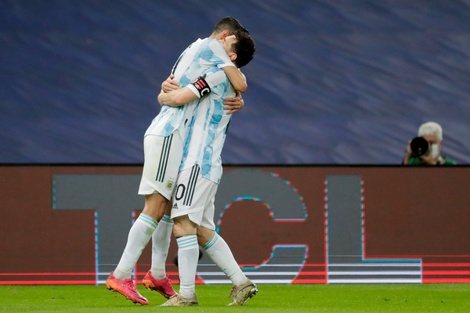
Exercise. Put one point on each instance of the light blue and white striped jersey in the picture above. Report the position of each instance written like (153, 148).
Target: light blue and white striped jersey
(208, 128)
(198, 57)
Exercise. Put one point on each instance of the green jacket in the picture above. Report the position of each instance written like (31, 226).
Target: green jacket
(418, 161)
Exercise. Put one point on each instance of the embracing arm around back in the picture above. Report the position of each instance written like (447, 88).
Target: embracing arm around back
(236, 77)
(177, 97)
(166, 97)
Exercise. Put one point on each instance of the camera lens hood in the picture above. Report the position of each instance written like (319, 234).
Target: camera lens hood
(419, 146)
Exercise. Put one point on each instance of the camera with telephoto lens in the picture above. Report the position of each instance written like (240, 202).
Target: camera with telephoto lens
(419, 147)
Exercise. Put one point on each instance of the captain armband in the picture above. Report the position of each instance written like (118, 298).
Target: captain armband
(202, 86)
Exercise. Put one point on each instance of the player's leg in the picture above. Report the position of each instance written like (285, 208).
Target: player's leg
(159, 175)
(161, 244)
(219, 251)
(153, 176)
(188, 255)
(154, 185)
(120, 279)
(156, 278)
(139, 236)
(187, 211)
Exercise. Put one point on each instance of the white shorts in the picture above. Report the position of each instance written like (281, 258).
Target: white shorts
(194, 196)
(162, 159)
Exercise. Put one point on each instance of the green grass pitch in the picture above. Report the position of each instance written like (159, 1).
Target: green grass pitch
(446, 298)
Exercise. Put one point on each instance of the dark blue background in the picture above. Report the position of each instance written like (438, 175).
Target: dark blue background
(333, 81)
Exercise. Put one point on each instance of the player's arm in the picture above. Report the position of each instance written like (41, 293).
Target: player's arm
(176, 98)
(236, 77)
(179, 97)
(231, 104)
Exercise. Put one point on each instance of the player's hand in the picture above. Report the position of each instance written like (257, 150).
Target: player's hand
(170, 84)
(159, 99)
(232, 105)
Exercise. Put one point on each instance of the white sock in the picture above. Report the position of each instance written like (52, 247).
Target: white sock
(139, 236)
(220, 253)
(188, 255)
(160, 245)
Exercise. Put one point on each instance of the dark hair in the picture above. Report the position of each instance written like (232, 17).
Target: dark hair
(245, 48)
(229, 23)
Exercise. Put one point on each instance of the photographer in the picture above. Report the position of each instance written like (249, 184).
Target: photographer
(426, 148)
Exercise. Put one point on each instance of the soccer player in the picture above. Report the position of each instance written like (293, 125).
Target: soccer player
(163, 150)
(199, 176)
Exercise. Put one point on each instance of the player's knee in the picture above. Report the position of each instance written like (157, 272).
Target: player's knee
(177, 229)
(156, 213)
(183, 226)
(155, 205)
(204, 235)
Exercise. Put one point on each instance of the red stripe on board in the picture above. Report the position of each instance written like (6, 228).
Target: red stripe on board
(309, 281)
(49, 282)
(419, 256)
(322, 273)
(49, 274)
(445, 280)
(460, 273)
(446, 264)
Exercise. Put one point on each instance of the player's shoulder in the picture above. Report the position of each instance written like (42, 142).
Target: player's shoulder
(205, 42)
(215, 75)
(214, 45)
(196, 45)
(210, 47)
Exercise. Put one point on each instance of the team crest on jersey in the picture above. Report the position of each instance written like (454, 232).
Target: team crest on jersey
(169, 185)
